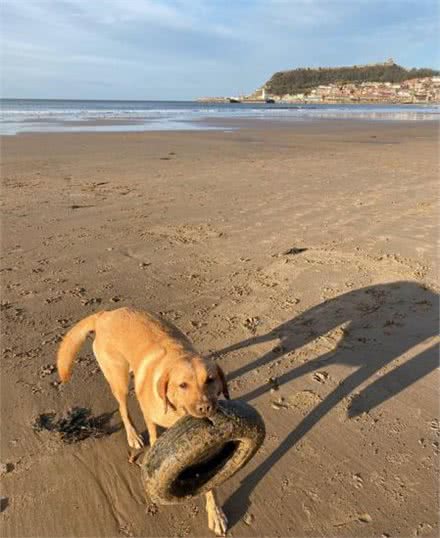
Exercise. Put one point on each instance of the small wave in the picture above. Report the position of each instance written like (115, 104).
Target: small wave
(17, 116)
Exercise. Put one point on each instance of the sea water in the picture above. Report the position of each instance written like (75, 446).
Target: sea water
(41, 115)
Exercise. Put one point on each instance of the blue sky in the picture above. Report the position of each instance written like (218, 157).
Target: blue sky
(182, 49)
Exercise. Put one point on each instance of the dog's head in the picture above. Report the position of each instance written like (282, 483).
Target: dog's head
(192, 387)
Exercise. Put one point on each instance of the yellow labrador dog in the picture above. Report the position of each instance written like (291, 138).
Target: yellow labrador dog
(171, 378)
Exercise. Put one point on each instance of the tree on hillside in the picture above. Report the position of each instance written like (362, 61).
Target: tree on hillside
(303, 79)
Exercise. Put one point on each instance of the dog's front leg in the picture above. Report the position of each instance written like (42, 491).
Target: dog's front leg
(217, 521)
(152, 431)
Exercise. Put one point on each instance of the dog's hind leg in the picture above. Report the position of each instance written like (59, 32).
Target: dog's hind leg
(217, 520)
(116, 372)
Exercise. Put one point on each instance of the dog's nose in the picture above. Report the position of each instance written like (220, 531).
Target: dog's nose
(204, 408)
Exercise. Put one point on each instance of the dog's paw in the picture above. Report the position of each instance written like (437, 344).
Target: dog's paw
(217, 521)
(134, 440)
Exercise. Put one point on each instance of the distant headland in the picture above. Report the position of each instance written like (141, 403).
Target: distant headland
(384, 82)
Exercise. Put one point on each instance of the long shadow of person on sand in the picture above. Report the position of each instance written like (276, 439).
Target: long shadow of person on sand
(380, 324)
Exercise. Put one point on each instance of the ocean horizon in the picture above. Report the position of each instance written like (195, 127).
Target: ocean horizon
(70, 115)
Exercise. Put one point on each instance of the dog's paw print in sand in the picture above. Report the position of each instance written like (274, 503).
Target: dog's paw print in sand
(126, 530)
(305, 400)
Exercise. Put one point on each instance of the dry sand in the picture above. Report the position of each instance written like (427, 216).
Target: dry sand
(301, 255)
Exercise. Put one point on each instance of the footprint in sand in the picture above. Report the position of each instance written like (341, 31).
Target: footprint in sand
(305, 400)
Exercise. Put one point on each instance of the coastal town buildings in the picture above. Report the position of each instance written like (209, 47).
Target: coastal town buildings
(413, 91)
(417, 91)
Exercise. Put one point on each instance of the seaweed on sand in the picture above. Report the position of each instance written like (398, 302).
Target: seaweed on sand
(77, 425)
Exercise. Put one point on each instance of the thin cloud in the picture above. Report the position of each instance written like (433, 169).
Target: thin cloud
(175, 49)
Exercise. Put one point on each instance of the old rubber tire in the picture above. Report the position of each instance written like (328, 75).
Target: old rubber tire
(196, 455)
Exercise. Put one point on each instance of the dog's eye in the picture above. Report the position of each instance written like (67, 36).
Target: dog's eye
(183, 385)
(210, 379)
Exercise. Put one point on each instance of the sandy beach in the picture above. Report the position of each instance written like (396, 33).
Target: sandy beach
(301, 255)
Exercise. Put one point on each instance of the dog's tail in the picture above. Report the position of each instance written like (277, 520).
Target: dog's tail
(72, 343)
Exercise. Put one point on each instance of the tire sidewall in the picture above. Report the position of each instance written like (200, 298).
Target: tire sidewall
(190, 440)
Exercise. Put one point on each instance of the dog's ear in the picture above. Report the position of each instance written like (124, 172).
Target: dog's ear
(222, 377)
(142, 375)
(162, 388)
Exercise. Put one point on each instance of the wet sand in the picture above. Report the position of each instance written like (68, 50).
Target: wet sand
(302, 256)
